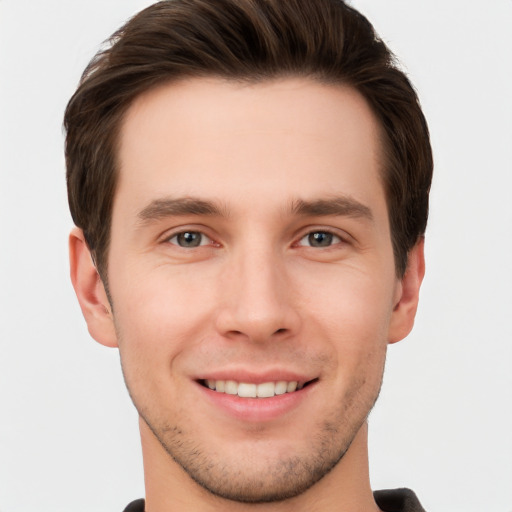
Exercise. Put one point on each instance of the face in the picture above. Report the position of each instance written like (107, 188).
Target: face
(252, 278)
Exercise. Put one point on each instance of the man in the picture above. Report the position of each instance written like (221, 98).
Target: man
(249, 180)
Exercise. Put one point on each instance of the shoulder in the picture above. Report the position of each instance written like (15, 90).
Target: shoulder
(398, 500)
(135, 506)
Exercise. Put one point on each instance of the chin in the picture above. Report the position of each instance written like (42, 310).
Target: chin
(258, 471)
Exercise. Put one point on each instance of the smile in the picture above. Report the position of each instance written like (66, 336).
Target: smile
(257, 399)
(250, 390)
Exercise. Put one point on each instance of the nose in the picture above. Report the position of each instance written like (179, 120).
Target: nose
(257, 298)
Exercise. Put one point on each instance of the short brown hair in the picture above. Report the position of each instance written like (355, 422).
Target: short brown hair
(249, 40)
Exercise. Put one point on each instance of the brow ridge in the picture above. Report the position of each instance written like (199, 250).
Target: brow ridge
(342, 206)
(169, 207)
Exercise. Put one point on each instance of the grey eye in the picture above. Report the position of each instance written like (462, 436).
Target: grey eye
(319, 239)
(189, 239)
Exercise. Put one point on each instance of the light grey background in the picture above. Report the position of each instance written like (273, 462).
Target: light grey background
(443, 426)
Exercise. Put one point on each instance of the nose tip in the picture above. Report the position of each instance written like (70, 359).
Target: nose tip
(258, 305)
(254, 327)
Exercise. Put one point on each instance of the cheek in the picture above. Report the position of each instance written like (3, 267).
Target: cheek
(162, 300)
(159, 316)
(351, 314)
(356, 305)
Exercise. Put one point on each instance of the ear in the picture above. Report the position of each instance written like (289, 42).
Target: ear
(90, 291)
(407, 294)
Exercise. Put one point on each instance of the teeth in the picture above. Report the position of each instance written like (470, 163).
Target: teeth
(291, 387)
(265, 390)
(247, 390)
(281, 387)
(230, 387)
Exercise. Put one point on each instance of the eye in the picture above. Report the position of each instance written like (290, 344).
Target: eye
(190, 239)
(319, 239)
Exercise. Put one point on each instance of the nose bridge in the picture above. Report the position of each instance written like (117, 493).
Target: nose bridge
(258, 300)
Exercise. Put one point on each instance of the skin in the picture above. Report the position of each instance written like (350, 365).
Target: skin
(258, 296)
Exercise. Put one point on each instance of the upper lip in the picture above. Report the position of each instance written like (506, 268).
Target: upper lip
(256, 377)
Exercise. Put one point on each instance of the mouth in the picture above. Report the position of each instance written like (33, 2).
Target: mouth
(251, 390)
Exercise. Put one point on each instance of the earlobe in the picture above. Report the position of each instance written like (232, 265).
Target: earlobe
(408, 290)
(90, 291)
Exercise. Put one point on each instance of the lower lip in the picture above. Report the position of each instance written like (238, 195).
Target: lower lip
(257, 409)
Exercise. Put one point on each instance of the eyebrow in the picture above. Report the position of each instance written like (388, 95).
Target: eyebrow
(338, 206)
(169, 207)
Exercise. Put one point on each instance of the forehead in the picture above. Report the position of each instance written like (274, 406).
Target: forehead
(290, 138)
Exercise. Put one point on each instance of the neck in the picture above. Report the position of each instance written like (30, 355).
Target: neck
(345, 489)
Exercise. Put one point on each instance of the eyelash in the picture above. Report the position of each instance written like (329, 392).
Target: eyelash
(189, 232)
(333, 238)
